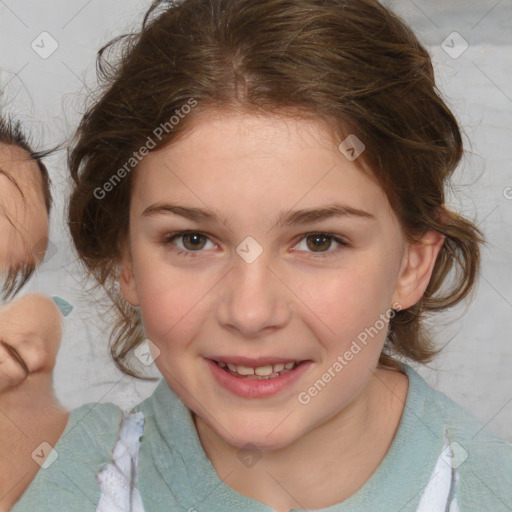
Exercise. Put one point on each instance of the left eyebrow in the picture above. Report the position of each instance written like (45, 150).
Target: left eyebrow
(296, 217)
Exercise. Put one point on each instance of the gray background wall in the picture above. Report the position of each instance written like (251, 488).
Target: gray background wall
(47, 91)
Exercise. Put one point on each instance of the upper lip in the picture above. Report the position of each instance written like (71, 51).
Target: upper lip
(252, 362)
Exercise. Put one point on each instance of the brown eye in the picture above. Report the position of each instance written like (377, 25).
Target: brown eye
(192, 241)
(319, 244)
(186, 243)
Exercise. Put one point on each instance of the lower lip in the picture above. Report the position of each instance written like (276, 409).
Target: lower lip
(255, 388)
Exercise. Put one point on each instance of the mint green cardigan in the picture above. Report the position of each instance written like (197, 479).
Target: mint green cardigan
(176, 475)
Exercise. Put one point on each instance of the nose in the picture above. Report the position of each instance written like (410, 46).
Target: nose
(254, 300)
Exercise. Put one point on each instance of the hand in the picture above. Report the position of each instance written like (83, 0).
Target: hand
(30, 333)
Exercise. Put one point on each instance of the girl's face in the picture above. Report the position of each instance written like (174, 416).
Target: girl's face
(291, 255)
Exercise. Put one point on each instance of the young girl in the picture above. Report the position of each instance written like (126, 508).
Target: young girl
(265, 182)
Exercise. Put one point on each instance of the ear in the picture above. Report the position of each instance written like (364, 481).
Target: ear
(127, 277)
(417, 267)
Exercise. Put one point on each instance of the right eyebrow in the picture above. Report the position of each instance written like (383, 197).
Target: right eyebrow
(16, 356)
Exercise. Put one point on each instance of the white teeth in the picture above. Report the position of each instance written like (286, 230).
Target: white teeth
(269, 370)
(263, 371)
(246, 370)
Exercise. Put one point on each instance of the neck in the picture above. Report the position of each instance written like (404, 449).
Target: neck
(326, 465)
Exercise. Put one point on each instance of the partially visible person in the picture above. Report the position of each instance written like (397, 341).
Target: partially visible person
(30, 326)
(25, 204)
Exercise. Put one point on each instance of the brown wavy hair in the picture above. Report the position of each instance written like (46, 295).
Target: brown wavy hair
(352, 64)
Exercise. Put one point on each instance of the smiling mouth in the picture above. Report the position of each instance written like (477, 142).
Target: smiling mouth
(269, 371)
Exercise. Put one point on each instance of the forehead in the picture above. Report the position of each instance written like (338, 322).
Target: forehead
(19, 165)
(262, 161)
(12, 153)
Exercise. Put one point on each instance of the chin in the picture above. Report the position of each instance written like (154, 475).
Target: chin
(271, 434)
(257, 441)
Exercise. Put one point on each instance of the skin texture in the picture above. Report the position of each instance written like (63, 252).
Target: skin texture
(30, 332)
(288, 303)
(23, 224)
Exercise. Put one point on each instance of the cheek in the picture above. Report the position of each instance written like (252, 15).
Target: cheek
(354, 305)
(172, 303)
(349, 299)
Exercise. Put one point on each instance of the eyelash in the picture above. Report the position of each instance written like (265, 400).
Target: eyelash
(168, 239)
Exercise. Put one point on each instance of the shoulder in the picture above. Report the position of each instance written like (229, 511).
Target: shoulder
(67, 479)
(482, 459)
